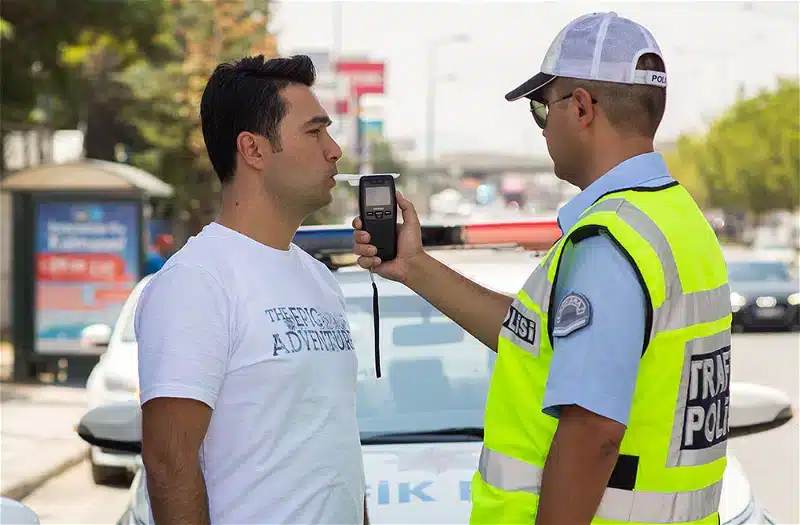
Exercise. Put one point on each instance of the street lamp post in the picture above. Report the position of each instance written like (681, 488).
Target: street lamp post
(432, 49)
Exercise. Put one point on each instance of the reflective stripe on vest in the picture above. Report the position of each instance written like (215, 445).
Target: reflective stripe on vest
(680, 309)
(509, 474)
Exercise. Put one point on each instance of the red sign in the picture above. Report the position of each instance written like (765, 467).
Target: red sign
(365, 77)
(342, 107)
(80, 267)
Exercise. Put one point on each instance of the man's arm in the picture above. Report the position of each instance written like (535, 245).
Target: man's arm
(597, 347)
(581, 458)
(182, 332)
(172, 431)
(476, 309)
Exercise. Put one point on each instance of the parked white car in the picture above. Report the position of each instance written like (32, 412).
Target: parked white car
(114, 379)
(422, 421)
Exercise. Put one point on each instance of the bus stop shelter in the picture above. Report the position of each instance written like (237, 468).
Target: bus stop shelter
(78, 248)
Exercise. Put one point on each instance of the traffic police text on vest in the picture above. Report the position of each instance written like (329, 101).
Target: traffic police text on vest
(672, 456)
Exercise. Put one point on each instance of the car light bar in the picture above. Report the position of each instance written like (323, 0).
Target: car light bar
(531, 234)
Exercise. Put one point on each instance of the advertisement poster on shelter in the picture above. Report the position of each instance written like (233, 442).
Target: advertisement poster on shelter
(87, 263)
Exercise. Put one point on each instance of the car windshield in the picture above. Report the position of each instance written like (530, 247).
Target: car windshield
(434, 375)
(758, 271)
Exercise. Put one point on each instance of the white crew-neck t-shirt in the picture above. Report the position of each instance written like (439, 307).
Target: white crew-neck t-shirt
(260, 336)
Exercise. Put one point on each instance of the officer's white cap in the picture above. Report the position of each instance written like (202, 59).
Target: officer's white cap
(597, 46)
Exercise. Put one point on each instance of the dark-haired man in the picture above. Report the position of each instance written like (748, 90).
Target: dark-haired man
(246, 364)
(608, 400)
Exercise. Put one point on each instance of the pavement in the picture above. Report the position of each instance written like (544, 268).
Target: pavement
(37, 433)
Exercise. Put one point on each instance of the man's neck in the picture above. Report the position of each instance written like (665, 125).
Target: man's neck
(257, 216)
(610, 157)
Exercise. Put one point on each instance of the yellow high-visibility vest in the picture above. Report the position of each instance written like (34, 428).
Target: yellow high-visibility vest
(673, 454)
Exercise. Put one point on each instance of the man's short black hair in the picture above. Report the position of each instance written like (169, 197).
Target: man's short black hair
(245, 96)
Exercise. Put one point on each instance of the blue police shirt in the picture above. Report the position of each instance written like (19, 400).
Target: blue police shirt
(600, 307)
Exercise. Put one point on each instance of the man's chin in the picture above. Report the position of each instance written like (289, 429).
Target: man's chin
(324, 201)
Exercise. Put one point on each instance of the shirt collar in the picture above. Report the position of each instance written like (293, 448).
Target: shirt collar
(641, 170)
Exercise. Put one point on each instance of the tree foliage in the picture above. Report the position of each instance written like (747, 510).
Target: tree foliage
(168, 92)
(749, 159)
(57, 63)
(131, 73)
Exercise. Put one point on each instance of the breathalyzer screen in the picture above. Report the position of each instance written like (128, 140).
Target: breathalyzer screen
(379, 196)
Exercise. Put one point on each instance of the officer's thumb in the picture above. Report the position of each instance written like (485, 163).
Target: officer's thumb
(409, 213)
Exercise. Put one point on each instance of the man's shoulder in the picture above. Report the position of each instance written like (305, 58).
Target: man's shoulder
(318, 270)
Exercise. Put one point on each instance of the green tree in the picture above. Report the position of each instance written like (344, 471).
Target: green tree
(682, 164)
(168, 93)
(57, 63)
(749, 160)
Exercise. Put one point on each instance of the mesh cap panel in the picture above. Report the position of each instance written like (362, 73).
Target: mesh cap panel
(597, 46)
(600, 46)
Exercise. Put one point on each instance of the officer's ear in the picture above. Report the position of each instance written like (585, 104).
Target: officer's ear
(584, 104)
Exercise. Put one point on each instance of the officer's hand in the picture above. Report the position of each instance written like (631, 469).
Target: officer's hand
(409, 244)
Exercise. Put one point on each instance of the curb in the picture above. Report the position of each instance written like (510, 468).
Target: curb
(24, 488)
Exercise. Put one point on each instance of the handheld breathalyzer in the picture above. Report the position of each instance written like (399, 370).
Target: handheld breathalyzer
(377, 205)
(377, 208)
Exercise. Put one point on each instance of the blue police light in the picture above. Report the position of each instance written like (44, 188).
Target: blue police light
(325, 240)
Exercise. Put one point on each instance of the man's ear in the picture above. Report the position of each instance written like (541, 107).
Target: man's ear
(251, 149)
(583, 103)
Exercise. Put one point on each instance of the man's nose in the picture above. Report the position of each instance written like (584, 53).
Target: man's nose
(335, 152)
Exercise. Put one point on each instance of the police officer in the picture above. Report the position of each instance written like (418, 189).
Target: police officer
(609, 398)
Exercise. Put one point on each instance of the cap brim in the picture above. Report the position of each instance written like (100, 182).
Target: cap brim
(531, 88)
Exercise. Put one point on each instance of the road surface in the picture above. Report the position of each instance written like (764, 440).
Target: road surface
(770, 459)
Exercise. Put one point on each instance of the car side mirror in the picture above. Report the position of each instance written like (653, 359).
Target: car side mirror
(13, 511)
(95, 337)
(757, 408)
(115, 426)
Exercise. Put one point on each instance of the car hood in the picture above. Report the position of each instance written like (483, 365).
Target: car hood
(429, 483)
(761, 288)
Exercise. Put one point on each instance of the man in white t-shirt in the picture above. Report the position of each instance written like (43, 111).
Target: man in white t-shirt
(246, 365)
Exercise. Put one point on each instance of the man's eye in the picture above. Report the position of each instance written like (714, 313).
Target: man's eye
(315, 131)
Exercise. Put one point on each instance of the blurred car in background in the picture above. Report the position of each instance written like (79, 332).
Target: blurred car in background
(114, 379)
(422, 422)
(765, 293)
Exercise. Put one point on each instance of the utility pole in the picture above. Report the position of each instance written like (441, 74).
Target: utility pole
(432, 48)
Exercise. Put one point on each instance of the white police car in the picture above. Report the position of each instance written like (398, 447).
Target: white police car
(422, 421)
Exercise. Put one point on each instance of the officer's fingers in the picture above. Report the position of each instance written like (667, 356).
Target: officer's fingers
(409, 213)
(361, 237)
(367, 250)
(357, 223)
(368, 262)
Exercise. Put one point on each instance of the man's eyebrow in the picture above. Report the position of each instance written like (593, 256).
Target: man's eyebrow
(319, 119)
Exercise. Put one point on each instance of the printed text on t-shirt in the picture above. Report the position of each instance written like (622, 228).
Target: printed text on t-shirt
(309, 329)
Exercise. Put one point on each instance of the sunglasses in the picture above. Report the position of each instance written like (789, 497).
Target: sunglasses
(541, 110)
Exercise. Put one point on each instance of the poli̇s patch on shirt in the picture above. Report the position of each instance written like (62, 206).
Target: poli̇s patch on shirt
(574, 312)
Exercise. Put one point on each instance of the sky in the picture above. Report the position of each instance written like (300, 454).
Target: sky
(710, 49)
